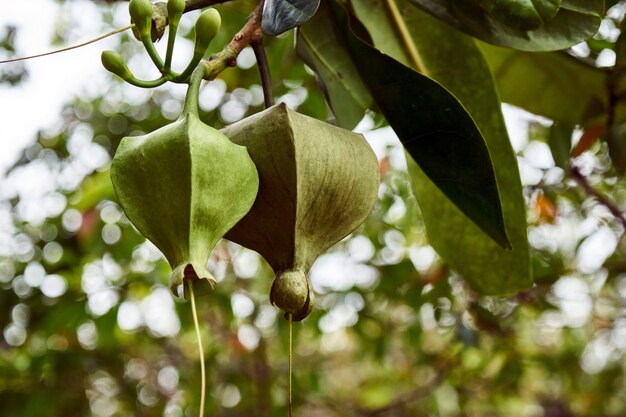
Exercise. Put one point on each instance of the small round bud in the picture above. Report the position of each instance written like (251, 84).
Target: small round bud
(113, 62)
(141, 15)
(175, 9)
(207, 25)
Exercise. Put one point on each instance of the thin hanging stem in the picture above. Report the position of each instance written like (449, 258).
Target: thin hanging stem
(69, 48)
(202, 368)
(290, 369)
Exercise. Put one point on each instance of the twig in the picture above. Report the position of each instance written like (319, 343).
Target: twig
(69, 48)
(264, 72)
(201, 4)
(249, 34)
(584, 183)
(409, 397)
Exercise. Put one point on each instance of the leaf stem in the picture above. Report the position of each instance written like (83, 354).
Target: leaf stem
(201, 352)
(407, 40)
(264, 72)
(69, 48)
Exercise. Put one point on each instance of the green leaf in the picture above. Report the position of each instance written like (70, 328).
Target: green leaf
(522, 14)
(575, 21)
(318, 46)
(560, 142)
(555, 85)
(93, 190)
(434, 128)
(454, 60)
(282, 15)
(615, 140)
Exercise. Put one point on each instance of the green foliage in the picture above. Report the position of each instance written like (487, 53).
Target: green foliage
(318, 46)
(455, 62)
(511, 23)
(447, 144)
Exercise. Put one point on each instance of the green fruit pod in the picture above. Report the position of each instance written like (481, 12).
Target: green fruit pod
(183, 187)
(317, 183)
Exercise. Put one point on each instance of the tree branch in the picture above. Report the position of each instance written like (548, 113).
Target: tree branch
(200, 4)
(409, 397)
(584, 183)
(249, 34)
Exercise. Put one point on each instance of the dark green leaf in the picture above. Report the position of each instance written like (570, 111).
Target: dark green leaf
(319, 48)
(560, 142)
(434, 128)
(575, 21)
(454, 60)
(615, 140)
(282, 15)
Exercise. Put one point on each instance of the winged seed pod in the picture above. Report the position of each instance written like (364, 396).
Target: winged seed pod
(317, 183)
(183, 186)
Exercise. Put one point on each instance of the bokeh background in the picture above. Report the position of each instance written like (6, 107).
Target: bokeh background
(88, 327)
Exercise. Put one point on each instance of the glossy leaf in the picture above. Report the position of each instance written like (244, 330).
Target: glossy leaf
(454, 60)
(575, 21)
(280, 16)
(522, 14)
(555, 85)
(434, 128)
(317, 45)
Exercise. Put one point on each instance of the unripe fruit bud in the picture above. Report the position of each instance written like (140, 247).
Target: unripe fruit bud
(113, 62)
(175, 9)
(207, 25)
(141, 15)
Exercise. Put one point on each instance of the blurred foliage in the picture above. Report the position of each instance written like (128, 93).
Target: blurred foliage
(14, 73)
(89, 328)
